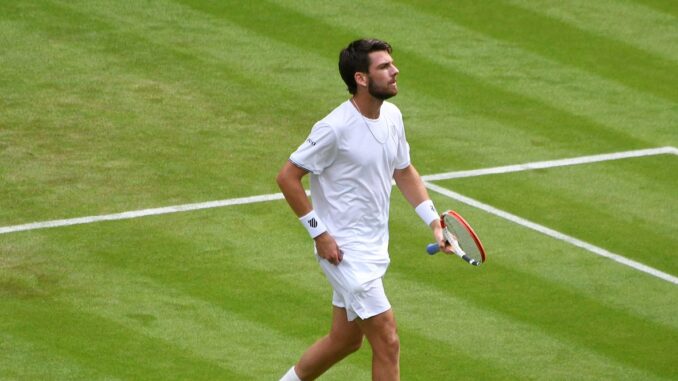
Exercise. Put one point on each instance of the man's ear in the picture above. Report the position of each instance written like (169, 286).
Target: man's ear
(360, 78)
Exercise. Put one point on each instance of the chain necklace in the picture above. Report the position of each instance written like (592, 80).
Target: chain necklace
(388, 131)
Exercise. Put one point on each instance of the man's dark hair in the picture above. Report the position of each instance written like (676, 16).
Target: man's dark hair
(355, 58)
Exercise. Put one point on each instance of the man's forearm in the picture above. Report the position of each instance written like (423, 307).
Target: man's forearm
(410, 184)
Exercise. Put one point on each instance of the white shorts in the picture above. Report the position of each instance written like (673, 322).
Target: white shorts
(358, 287)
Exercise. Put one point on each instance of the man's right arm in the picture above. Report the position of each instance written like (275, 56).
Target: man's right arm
(289, 181)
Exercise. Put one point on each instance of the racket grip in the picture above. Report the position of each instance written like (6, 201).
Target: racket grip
(432, 248)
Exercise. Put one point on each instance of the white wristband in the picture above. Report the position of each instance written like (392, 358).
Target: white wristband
(313, 224)
(427, 212)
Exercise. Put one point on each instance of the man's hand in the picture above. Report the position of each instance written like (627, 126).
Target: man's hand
(328, 249)
(445, 247)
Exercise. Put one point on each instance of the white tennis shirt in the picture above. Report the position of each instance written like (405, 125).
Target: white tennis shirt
(352, 168)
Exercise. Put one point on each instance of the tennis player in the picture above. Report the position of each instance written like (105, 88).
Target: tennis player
(353, 154)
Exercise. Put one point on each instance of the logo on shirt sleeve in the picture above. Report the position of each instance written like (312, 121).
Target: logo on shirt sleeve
(311, 142)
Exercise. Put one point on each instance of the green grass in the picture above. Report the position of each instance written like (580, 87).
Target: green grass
(113, 106)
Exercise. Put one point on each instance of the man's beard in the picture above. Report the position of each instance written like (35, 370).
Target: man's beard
(382, 94)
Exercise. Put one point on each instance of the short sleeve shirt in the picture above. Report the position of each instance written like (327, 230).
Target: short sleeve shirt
(352, 160)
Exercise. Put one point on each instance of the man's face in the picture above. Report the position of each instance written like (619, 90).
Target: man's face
(382, 76)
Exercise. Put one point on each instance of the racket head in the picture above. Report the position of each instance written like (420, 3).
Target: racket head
(468, 240)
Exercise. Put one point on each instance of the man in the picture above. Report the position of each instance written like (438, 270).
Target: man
(352, 155)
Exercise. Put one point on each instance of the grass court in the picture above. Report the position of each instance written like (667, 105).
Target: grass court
(119, 106)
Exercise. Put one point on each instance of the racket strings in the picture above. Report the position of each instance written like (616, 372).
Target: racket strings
(463, 238)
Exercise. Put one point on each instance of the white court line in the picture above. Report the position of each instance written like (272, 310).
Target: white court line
(141, 213)
(553, 233)
(552, 163)
(279, 196)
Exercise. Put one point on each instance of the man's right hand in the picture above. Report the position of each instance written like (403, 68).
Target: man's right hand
(328, 249)
(437, 229)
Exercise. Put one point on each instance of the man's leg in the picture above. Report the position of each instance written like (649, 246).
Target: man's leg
(380, 331)
(345, 337)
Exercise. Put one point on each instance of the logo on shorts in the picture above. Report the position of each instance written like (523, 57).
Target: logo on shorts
(311, 142)
(313, 222)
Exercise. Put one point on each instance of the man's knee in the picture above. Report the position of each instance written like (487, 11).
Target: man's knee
(350, 344)
(382, 334)
(346, 343)
(391, 344)
(386, 346)
(354, 344)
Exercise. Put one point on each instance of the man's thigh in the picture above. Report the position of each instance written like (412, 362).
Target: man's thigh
(343, 329)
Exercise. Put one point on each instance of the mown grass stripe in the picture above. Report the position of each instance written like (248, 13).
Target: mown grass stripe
(459, 89)
(625, 21)
(21, 356)
(664, 6)
(486, 327)
(105, 346)
(543, 35)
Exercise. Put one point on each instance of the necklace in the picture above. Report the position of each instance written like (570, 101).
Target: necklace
(388, 132)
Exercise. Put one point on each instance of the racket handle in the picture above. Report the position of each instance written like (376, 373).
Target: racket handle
(432, 248)
(470, 260)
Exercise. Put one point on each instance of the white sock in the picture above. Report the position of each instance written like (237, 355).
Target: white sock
(291, 375)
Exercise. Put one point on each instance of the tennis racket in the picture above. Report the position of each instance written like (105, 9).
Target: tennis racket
(464, 241)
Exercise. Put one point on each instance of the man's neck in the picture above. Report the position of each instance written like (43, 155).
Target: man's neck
(367, 105)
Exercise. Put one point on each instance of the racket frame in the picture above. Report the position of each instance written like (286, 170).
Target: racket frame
(452, 239)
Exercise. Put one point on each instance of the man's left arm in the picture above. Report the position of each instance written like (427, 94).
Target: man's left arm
(412, 187)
